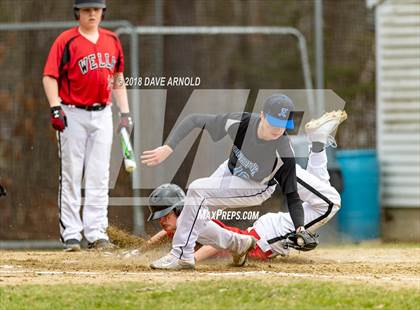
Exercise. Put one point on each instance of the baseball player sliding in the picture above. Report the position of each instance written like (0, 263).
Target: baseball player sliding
(84, 65)
(261, 158)
(274, 231)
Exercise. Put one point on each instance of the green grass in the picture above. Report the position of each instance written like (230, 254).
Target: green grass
(215, 294)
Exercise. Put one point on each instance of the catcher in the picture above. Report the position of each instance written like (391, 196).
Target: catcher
(274, 232)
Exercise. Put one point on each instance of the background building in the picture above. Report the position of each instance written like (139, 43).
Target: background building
(397, 25)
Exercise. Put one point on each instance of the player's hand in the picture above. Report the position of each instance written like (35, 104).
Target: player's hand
(58, 118)
(155, 157)
(125, 122)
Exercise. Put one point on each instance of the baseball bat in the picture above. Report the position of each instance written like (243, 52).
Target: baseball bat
(128, 154)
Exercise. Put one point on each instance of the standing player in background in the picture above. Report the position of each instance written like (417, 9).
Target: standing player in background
(261, 158)
(84, 65)
(320, 202)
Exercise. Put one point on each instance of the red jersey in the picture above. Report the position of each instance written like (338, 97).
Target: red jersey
(255, 253)
(85, 70)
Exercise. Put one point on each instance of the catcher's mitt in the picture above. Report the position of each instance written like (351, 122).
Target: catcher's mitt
(303, 241)
(2, 191)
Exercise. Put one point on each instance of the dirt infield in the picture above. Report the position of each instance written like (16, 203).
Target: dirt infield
(383, 265)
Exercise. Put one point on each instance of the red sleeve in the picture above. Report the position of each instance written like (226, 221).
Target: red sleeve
(170, 234)
(120, 63)
(52, 66)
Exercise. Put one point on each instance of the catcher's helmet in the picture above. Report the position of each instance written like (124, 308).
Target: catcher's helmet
(164, 199)
(80, 4)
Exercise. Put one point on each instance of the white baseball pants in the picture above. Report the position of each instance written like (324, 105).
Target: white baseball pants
(224, 190)
(276, 226)
(221, 189)
(84, 151)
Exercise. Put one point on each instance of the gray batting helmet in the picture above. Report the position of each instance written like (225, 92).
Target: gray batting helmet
(164, 199)
(80, 4)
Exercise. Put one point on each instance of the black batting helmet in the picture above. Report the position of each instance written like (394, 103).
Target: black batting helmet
(80, 4)
(164, 199)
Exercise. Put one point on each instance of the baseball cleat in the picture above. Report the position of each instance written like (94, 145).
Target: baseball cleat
(320, 129)
(72, 245)
(101, 245)
(170, 262)
(240, 257)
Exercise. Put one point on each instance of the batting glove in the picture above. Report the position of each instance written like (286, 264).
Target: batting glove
(58, 119)
(125, 122)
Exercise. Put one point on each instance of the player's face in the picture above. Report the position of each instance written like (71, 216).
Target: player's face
(168, 222)
(90, 17)
(269, 132)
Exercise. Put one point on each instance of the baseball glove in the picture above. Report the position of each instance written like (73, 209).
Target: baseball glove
(2, 191)
(303, 241)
